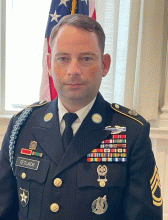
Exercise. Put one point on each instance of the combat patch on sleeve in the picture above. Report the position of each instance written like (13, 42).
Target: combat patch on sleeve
(37, 104)
(156, 188)
(128, 113)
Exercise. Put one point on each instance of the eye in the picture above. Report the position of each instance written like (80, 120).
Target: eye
(87, 58)
(62, 58)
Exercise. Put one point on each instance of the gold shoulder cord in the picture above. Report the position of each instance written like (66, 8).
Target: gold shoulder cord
(32, 106)
(126, 115)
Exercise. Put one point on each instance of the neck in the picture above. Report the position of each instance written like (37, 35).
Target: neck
(75, 105)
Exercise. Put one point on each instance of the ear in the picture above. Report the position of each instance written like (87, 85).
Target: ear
(106, 64)
(49, 63)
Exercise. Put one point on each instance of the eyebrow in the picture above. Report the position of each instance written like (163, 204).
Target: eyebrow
(61, 54)
(84, 53)
(90, 53)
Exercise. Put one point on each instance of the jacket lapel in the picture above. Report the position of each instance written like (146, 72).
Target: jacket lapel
(89, 136)
(48, 134)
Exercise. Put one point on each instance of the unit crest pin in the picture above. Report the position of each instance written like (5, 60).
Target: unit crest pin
(33, 145)
(133, 113)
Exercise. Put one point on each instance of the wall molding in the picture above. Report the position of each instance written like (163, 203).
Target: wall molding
(159, 133)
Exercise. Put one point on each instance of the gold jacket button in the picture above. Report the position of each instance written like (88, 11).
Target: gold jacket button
(57, 182)
(23, 175)
(54, 207)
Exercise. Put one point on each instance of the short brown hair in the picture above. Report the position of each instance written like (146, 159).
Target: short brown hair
(80, 21)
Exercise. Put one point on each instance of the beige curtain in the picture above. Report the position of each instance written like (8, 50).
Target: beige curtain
(140, 84)
(146, 57)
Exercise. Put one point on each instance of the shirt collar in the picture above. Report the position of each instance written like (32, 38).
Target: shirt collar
(80, 113)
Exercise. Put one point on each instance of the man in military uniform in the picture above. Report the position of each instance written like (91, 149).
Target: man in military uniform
(78, 157)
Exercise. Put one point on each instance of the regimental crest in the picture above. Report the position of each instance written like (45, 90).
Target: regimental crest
(100, 205)
(156, 188)
(24, 197)
(33, 145)
(133, 112)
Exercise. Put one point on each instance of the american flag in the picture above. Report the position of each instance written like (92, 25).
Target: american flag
(58, 9)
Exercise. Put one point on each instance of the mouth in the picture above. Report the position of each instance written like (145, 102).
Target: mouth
(74, 84)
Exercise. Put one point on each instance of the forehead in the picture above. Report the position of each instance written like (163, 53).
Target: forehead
(71, 36)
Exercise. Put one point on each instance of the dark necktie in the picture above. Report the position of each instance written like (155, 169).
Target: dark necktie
(68, 132)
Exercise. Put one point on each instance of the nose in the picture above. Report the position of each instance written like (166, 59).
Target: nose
(74, 68)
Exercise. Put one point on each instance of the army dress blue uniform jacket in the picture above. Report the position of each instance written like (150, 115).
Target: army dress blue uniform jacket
(130, 189)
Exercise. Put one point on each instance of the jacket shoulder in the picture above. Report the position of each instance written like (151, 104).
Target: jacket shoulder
(34, 105)
(132, 114)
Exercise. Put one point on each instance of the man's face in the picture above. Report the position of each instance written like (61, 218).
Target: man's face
(77, 65)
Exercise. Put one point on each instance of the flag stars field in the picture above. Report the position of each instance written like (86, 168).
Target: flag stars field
(84, 1)
(63, 2)
(55, 17)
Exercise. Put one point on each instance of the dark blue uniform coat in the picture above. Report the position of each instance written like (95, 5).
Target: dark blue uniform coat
(128, 190)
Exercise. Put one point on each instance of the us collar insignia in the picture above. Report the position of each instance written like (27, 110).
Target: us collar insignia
(116, 129)
(24, 197)
(100, 205)
(48, 117)
(97, 118)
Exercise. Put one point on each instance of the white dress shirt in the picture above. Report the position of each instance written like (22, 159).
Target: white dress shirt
(80, 113)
